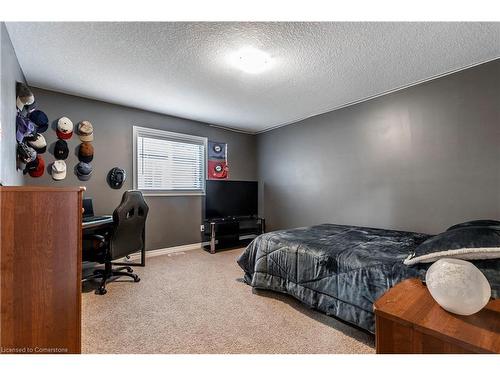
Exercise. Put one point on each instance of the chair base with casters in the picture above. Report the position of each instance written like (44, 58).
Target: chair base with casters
(108, 273)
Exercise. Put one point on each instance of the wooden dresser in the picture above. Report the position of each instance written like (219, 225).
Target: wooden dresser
(40, 265)
(408, 320)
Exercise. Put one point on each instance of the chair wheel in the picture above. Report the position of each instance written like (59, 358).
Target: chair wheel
(129, 269)
(101, 291)
(137, 279)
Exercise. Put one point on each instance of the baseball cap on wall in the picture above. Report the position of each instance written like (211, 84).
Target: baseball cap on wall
(58, 170)
(83, 171)
(31, 107)
(31, 166)
(64, 128)
(116, 177)
(24, 95)
(86, 131)
(24, 127)
(26, 153)
(86, 152)
(40, 119)
(38, 143)
(61, 150)
(40, 168)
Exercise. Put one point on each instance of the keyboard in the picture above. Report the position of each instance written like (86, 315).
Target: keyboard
(94, 218)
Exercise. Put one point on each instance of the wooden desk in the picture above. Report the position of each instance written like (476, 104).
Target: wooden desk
(40, 267)
(408, 320)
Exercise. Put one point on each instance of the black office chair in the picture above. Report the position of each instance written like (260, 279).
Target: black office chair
(128, 237)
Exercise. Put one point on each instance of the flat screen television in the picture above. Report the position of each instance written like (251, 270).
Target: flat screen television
(225, 199)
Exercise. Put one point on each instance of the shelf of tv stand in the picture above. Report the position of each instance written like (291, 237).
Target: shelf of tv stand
(227, 232)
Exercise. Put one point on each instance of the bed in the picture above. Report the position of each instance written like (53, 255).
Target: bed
(337, 269)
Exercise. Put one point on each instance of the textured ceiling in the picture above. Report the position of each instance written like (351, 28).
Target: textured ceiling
(182, 69)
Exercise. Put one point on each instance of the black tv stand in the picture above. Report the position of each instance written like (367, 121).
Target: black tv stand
(231, 231)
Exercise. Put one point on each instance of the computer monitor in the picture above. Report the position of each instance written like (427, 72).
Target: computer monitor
(88, 209)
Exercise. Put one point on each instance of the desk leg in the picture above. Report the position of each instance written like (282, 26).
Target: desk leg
(212, 238)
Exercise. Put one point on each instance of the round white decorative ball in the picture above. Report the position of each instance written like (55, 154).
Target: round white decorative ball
(458, 286)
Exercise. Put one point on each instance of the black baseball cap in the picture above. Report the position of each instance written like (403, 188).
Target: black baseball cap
(31, 166)
(61, 150)
(116, 177)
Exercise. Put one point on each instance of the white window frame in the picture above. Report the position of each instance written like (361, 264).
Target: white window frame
(157, 133)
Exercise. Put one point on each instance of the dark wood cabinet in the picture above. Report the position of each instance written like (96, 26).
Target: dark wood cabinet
(408, 320)
(40, 265)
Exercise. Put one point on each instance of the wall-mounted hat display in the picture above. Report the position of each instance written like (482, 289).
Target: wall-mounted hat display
(86, 131)
(83, 171)
(116, 177)
(64, 128)
(40, 119)
(58, 170)
(38, 167)
(26, 153)
(38, 143)
(61, 150)
(24, 96)
(24, 127)
(86, 152)
(30, 123)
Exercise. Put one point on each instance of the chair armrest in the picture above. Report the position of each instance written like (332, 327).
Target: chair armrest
(97, 239)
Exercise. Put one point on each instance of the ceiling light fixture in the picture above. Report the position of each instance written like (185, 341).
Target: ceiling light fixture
(251, 60)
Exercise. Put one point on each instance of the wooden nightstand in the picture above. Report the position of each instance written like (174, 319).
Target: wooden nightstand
(408, 320)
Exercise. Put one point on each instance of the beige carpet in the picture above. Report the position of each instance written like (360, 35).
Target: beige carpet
(195, 302)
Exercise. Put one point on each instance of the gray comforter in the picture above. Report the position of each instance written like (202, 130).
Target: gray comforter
(339, 270)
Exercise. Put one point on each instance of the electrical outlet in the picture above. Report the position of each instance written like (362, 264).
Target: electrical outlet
(202, 228)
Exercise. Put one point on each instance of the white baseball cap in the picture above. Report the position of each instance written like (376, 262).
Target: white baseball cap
(59, 170)
(64, 128)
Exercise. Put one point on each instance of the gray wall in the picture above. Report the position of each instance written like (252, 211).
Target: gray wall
(172, 221)
(419, 159)
(10, 73)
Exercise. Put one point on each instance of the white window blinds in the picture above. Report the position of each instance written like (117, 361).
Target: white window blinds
(169, 163)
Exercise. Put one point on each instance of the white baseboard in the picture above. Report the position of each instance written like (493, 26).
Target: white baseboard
(167, 250)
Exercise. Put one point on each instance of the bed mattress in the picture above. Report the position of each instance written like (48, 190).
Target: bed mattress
(337, 269)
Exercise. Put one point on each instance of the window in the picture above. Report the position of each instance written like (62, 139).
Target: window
(167, 163)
